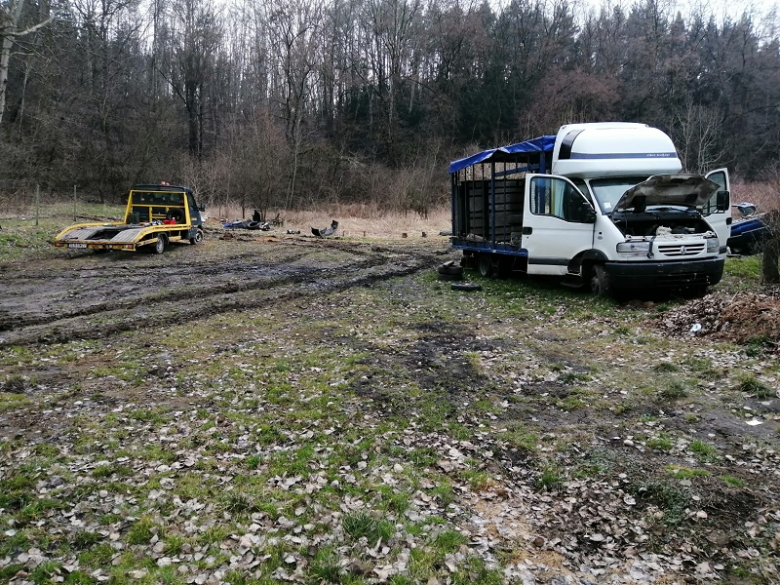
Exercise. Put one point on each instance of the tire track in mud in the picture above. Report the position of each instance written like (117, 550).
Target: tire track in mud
(199, 290)
(267, 275)
(59, 285)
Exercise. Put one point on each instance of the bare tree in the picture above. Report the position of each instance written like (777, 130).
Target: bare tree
(293, 34)
(11, 30)
(196, 36)
(697, 132)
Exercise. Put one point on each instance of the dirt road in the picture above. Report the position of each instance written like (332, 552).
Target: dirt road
(84, 295)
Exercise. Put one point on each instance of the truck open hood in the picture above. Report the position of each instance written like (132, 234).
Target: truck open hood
(681, 189)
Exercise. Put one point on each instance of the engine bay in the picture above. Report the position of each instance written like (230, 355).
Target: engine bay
(659, 222)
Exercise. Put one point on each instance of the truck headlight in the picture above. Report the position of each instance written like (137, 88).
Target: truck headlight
(713, 245)
(633, 249)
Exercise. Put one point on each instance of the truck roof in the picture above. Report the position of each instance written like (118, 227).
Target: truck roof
(154, 187)
(505, 153)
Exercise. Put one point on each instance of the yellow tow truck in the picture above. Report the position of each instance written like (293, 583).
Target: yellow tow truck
(156, 215)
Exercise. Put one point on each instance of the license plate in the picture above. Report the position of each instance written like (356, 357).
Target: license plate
(77, 245)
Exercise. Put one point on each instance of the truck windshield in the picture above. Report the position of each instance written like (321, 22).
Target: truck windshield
(609, 191)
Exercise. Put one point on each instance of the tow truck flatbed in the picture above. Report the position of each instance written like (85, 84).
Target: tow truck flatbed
(155, 216)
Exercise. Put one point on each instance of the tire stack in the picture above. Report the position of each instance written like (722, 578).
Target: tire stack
(450, 271)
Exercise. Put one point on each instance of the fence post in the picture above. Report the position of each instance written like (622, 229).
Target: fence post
(74, 202)
(37, 202)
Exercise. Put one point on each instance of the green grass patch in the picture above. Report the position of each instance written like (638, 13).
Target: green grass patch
(741, 273)
(703, 451)
(662, 443)
(732, 481)
(360, 524)
(666, 367)
(10, 400)
(550, 478)
(669, 497)
(749, 384)
(142, 531)
(672, 389)
(521, 440)
(686, 472)
(449, 541)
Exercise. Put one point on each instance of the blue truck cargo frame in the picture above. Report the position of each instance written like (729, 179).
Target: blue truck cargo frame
(517, 153)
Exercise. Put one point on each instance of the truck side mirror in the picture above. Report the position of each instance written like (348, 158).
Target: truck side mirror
(202, 208)
(722, 201)
(588, 213)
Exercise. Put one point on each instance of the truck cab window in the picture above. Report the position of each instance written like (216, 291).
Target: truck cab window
(558, 198)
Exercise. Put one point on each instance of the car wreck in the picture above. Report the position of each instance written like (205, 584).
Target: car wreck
(328, 231)
(749, 232)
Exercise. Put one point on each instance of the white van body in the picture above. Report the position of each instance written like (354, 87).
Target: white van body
(614, 212)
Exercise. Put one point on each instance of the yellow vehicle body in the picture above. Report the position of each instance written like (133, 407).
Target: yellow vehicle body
(155, 216)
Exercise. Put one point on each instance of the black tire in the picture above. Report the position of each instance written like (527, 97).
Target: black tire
(197, 238)
(453, 269)
(485, 265)
(160, 244)
(447, 276)
(600, 283)
(466, 286)
(697, 292)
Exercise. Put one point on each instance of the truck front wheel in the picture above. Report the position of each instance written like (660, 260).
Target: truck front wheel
(600, 284)
(160, 244)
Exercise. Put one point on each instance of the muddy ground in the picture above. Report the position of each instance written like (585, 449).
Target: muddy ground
(579, 441)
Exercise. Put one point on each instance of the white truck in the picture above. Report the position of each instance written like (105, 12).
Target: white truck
(614, 213)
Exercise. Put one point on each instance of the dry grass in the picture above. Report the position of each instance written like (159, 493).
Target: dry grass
(358, 221)
(766, 196)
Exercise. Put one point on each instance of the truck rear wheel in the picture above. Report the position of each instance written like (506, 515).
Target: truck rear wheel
(160, 244)
(485, 264)
(600, 284)
(197, 238)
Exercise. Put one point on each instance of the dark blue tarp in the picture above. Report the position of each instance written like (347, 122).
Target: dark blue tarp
(540, 144)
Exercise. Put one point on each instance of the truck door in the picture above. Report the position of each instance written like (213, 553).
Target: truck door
(558, 223)
(719, 220)
(193, 209)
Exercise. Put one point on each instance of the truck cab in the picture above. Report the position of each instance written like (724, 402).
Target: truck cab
(601, 205)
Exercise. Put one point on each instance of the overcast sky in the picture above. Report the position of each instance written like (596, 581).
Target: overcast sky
(766, 13)
(719, 8)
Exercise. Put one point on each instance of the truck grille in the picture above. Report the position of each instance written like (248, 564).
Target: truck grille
(674, 250)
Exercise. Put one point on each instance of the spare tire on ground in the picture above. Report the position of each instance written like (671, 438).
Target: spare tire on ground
(466, 286)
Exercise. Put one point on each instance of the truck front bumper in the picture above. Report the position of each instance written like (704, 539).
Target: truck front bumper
(664, 275)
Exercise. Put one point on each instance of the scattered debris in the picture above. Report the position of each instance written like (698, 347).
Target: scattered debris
(739, 318)
(328, 231)
(248, 225)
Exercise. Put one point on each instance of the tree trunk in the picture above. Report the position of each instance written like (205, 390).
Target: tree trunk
(770, 268)
(8, 32)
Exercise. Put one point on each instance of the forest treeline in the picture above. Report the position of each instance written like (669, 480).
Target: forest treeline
(294, 103)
